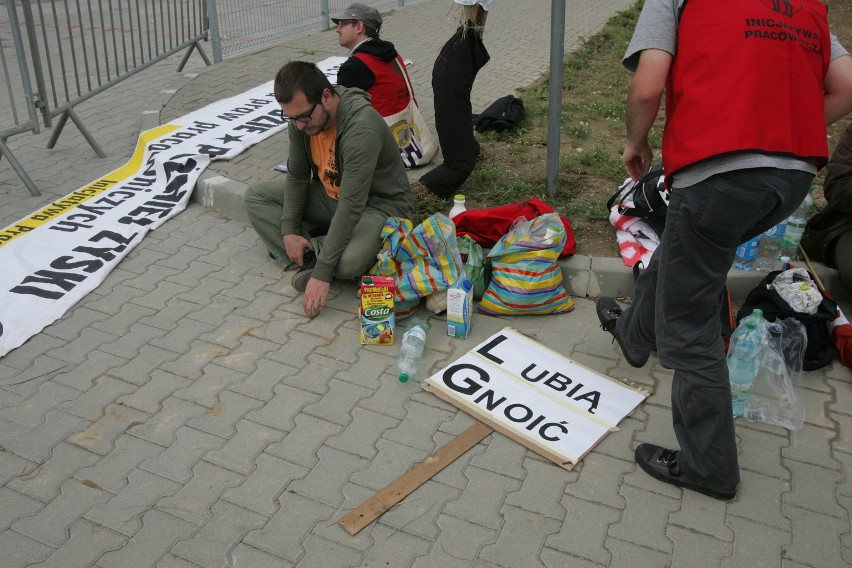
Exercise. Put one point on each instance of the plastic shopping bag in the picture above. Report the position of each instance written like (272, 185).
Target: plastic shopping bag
(424, 259)
(474, 264)
(525, 277)
(773, 398)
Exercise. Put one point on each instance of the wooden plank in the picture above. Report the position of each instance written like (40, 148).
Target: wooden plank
(375, 506)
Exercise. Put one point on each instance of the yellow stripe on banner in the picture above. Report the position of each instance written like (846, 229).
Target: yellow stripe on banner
(87, 192)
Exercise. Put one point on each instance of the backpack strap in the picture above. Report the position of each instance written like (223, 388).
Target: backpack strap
(654, 173)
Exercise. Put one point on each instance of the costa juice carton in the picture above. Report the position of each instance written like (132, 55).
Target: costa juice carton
(376, 311)
(460, 308)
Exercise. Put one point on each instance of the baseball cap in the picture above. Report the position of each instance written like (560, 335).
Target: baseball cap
(361, 12)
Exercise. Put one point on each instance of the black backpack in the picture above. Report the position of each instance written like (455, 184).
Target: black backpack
(820, 350)
(650, 199)
(506, 113)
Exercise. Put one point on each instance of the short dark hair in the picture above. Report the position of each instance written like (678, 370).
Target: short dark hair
(300, 76)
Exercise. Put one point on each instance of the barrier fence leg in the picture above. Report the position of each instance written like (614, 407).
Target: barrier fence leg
(63, 118)
(19, 169)
(189, 52)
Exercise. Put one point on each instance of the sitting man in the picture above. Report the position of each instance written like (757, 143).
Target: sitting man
(373, 64)
(828, 236)
(345, 180)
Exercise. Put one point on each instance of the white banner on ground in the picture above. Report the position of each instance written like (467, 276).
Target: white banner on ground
(52, 258)
(547, 402)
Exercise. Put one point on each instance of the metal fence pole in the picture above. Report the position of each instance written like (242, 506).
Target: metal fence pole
(213, 27)
(31, 97)
(326, 15)
(554, 106)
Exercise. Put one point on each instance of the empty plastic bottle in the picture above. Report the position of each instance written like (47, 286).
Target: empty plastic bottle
(458, 205)
(770, 248)
(795, 227)
(413, 341)
(746, 254)
(744, 357)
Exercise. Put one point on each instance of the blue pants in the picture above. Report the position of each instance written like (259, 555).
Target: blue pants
(677, 299)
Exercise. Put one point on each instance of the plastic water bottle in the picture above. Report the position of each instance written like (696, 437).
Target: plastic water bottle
(746, 254)
(413, 341)
(744, 359)
(458, 205)
(770, 248)
(795, 227)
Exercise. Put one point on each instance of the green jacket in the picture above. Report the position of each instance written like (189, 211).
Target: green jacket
(828, 225)
(372, 176)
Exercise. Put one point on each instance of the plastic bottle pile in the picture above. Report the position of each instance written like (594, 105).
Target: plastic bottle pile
(777, 245)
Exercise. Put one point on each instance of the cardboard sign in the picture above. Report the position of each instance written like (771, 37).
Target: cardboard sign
(549, 403)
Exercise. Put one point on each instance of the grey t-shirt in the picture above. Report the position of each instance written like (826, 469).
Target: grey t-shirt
(657, 29)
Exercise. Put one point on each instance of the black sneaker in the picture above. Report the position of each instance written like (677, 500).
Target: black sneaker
(300, 279)
(608, 312)
(661, 464)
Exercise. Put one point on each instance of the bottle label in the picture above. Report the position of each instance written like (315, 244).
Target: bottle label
(416, 332)
(776, 232)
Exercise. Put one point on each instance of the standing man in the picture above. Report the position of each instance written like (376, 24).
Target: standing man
(739, 158)
(345, 180)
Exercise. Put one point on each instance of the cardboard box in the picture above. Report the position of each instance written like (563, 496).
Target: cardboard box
(377, 310)
(460, 309)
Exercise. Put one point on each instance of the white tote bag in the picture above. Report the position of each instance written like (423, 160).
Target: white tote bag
(417, 145)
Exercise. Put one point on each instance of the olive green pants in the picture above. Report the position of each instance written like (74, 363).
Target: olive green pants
(264, 201)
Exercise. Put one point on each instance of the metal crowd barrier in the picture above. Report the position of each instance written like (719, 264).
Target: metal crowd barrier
(56, 54)
(238, 24)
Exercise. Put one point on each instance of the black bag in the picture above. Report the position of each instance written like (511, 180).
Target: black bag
(820, 350)
(650, 199)
(506, 113)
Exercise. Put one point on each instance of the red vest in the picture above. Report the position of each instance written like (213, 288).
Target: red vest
(389, 93)
(747, 77)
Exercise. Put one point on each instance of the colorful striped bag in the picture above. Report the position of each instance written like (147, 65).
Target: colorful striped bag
(424, 260)
(525, 277)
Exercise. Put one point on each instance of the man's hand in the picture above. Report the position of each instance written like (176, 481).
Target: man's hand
(637, 160)
(295, 246)
(316, 296)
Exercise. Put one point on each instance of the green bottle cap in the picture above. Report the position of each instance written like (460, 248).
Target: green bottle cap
(403, 377)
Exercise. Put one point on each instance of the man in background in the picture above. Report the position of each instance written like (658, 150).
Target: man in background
(373, 64)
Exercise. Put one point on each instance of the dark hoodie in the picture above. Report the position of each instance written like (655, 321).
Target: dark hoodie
(354, 73)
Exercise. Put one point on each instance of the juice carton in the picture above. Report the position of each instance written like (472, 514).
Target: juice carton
(460, 308)
(376, 311)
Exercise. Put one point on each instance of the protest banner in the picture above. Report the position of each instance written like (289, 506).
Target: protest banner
(55, 256)
(547, 402)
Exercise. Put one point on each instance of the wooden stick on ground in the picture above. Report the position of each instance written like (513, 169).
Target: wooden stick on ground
(375, 506)
(811, 268)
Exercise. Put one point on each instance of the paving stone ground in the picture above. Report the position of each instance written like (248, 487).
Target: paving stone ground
(186, 414)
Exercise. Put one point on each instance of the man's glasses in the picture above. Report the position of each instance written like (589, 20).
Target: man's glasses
(341, 23)
(304, 118)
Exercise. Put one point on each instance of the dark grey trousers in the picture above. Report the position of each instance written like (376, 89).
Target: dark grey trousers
(677, 299)
(264, 200)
